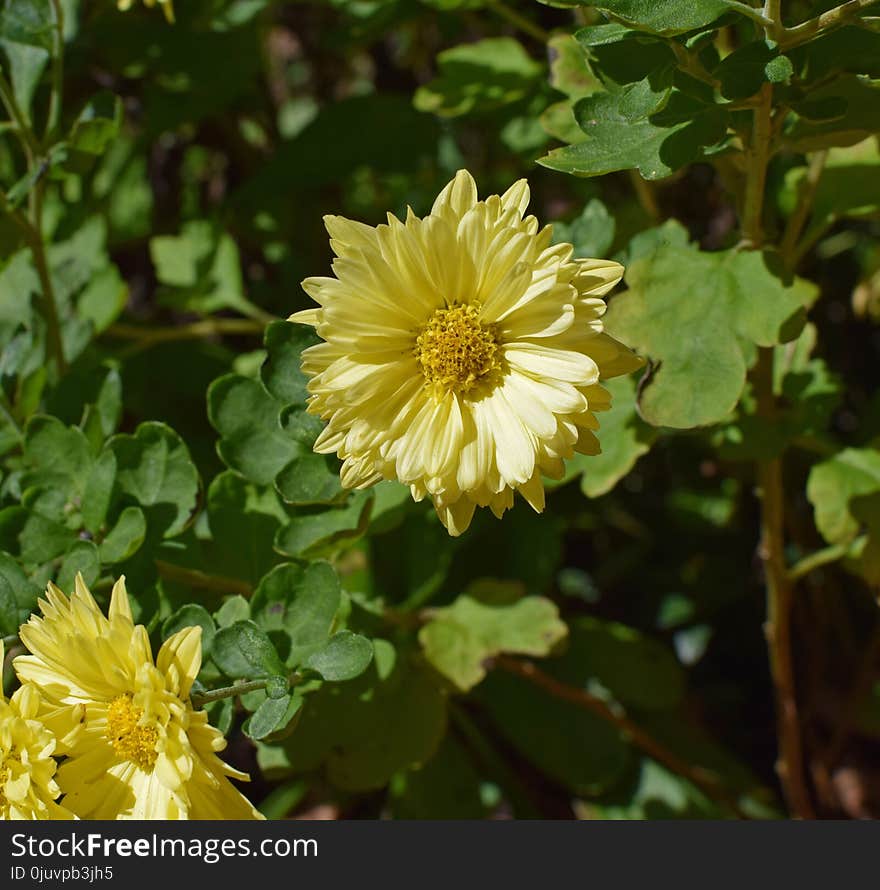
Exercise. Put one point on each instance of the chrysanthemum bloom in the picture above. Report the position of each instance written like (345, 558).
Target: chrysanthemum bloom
(463, 352)
(167, 6)
(136, 747)
(27, 768)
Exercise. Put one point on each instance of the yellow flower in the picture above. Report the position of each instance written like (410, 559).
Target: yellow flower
(463, 352)
(136, 748)
(167, 6)
(27, 785)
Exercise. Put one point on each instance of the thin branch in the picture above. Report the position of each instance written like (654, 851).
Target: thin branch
(54, 115)
(806, 195)
(19, 119)
(833, 18)
(527, 26)
(146, 337)
(703, 779)
(820, 558)
(200, 699)
(756, 15)
(202, 581)
(50, 305)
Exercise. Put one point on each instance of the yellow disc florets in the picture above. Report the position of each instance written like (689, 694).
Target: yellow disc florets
(455, 349)
(131, 739)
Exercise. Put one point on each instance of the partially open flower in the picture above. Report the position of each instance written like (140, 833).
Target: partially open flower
(463, 352)
(136, 748)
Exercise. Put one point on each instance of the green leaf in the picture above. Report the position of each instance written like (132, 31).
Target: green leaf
(345, 656)
(200, 268)
(154, 468)
(60, 454)
(26, 35)
(281, 372)
(81, 558)
(126, 536)
(313, 530)
(236, 608)
(310, 479)
(666, 17)
(854, 472)
(843, 112)
(698, 316)
(591, 233)
(300, 600)
(244, 651)
(9, 614)
(569, 71)
(478, 77)
(244, 519)
(273, 716)
(624, 438)
(98, 491)
(362, 732)
(852, 49)
(97, 124)
(192, 615)
(34, 537)
(26, 592)
(490, 620)
(247, 418)
(637, 127)
(749, 67)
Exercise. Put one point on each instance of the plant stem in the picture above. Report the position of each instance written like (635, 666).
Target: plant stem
(789, 765)
(16, 115)
(200, 699)
(645, 193)
(701, 778)
(527, 26)
(208, 327)
(806, 195)
(201, 580)
(840, 15)
(57, 75)
(820, 558)
(50, 306)
(757, 159)
(756, 15)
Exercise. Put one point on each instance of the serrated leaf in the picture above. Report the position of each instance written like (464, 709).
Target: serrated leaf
(666, 17)
(344, 656)
(460, 638)
(698, 316)
(623, 132)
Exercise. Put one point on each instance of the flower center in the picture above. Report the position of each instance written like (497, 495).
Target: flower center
(130, 739)
(455, 349)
